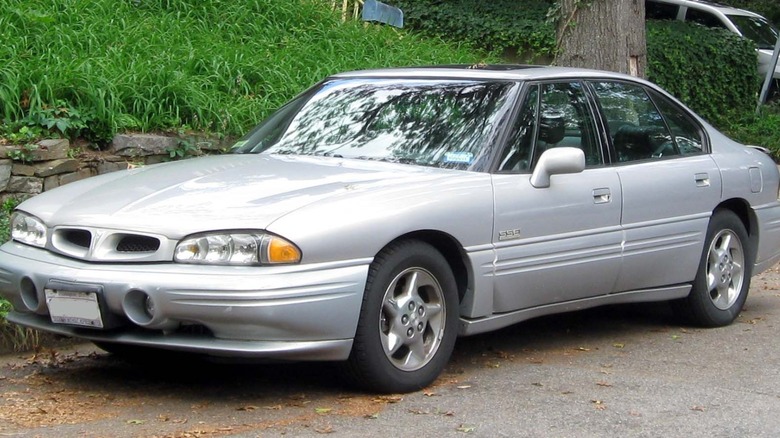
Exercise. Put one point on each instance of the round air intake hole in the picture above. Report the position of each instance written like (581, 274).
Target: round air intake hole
(139, 307)
(29, 294)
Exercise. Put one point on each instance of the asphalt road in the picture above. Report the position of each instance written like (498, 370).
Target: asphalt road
(622, 371)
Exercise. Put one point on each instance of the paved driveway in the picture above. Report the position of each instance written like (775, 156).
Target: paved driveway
(627, 371)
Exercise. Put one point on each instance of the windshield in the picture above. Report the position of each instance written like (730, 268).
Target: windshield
(441, 123)
(756, 29)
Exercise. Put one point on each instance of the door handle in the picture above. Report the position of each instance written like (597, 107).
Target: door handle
(602, 196)
(702, 180)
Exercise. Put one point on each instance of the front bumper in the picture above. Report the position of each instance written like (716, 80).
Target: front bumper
(301, 312)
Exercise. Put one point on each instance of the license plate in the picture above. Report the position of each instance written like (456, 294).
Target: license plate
(74, 308)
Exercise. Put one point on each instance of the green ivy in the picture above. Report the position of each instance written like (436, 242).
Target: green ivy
(712, 70)
(495, 26)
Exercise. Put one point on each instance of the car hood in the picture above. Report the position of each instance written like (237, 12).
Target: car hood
(217, 192)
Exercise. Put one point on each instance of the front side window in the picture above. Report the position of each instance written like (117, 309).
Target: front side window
(704, 18)
(565, 120)
(757, 30)
(636, 127)
(518, 154)
(553, 115)
(440, 123)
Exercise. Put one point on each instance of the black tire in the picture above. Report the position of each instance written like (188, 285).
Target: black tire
(404, 340)
(723, 277)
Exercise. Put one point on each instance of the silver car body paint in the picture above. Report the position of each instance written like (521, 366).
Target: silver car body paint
(610, 234)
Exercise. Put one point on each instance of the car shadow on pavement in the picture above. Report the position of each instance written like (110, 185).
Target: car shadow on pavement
(190, 376)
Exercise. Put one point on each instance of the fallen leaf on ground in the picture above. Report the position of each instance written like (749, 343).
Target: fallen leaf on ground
(465, 429)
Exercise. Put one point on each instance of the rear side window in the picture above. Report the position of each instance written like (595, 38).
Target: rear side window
(685, 132)
(704, 18)
(661, 11)
(636, 127)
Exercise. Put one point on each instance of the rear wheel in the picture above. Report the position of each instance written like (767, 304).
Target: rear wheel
(408, 320)
(723, 279)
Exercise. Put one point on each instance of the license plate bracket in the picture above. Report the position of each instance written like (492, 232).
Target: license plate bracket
(77, 304)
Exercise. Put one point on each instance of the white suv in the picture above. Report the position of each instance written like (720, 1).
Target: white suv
(744, 23)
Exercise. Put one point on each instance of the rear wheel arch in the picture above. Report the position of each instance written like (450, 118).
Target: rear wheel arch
(746, 215)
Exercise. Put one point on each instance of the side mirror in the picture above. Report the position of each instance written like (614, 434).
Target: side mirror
(557, 161)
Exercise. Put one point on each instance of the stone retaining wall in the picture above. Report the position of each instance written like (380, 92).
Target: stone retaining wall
(52, 163)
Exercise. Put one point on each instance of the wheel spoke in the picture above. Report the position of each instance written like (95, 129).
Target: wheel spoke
(390, 308)
(725, 243)
(433, 310)
(391, 342)
(410, 290)
(416, 354)
(712, 281)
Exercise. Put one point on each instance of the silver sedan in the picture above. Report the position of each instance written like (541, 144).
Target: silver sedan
(380, 214)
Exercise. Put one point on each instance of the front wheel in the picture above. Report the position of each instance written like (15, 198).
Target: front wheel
(723, 279)
(408, 320)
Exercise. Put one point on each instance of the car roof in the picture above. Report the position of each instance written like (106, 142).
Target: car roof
(487, 71)
(709, 6)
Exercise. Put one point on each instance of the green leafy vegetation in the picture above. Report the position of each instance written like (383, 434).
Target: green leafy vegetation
(761, 129)
(11, 335)
(499, 26)
(95, 67)
(712, 70)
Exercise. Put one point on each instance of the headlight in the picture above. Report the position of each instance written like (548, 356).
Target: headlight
(236, 248)
(28, 229)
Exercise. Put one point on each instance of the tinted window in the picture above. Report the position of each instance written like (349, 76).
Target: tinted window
(565, 120)
(519, 151)
(704, 18)
(685, 132)
(661, 11)
(636, 127)
(441, 123)
(756, 29)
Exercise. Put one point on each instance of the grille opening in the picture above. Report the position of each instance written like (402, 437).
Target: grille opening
(195, 329)
(80, 238)
(138, 244)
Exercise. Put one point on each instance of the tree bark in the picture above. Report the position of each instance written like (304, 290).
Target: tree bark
(602, 34)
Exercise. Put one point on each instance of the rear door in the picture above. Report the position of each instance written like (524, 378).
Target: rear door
(670, 184)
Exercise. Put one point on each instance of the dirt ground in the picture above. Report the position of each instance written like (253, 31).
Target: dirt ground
(616, 371)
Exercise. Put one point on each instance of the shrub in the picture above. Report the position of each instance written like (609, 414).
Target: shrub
(712, 70)
(216, 65)
(495, 25)
(759, 129)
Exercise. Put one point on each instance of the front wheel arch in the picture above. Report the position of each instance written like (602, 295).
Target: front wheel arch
(408, 320)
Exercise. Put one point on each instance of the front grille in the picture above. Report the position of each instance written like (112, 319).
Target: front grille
(107, 245)
(80, 238)
(135, 243)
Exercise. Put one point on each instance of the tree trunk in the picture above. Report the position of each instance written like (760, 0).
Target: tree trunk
(602, 34)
